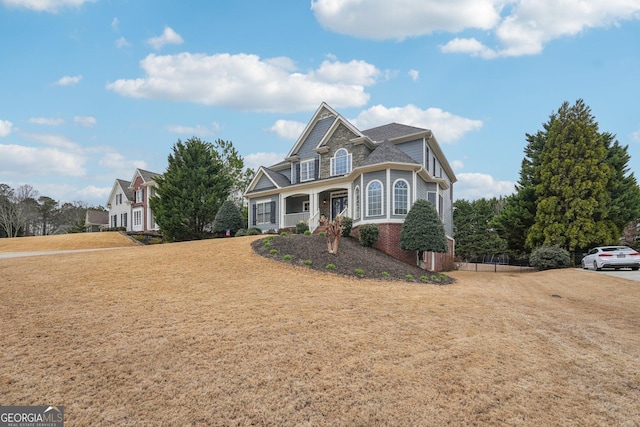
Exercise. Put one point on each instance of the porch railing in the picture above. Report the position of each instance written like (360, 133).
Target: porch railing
(314, 221)
(291, 220)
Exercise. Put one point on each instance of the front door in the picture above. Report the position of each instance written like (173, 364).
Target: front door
(338, 204)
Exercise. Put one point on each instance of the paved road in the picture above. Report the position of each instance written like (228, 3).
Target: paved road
(624, 273)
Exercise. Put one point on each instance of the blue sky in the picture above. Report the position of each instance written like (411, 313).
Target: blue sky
(90, 90)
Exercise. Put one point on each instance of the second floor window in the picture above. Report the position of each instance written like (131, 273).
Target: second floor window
(341, 162)
(139, 195)
(307, 170)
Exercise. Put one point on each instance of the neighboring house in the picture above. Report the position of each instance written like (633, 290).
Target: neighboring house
(96, 220)
(119, 205)
(372, 176)
(129, 202)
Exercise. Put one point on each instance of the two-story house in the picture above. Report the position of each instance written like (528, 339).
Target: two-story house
(128, 202)
(371, 176)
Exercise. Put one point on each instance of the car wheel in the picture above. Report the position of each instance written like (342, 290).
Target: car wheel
(595, 266)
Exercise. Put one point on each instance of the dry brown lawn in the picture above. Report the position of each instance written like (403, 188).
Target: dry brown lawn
(209, 333)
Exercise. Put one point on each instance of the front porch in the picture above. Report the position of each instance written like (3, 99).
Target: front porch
(308, 208)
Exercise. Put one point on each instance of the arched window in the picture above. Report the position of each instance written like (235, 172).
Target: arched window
(341, 162)
(400, 197)
(356, 196)
(374, 198)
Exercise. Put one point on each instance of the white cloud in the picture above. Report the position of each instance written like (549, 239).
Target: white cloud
(248, 82)
(57, 141)
(121, 166)
(457, 165)
(287, 129)
(518, 27)
(382, 19)
(635, 136)
(68, 80)
(5, 127)
(115, 24)
(86, 121)
(18, 160)
(92, 192)
(168, 37)
(193, 130)
(472, 186)
(51, 6)
(122, 42)
(255, 160)
(414, 74)
(46, 121)
(447, 127)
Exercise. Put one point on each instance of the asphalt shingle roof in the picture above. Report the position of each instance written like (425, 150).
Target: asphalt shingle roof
(278, 178)
(387, 152)
(125, 187)
(391, 131)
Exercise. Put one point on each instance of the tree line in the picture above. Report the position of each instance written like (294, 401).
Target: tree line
(24, 212)
(574, 191)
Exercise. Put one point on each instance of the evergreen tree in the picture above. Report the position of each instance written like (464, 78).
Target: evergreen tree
(229, 218)
(473, 224)
(571, 192)
(422, 229)
(199, 178)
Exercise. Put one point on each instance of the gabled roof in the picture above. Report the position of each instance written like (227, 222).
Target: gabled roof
(330, 119)
(96, 217)
(386, 152)
(277, 179)
(147, 176)
(125, 186)
(391, 131)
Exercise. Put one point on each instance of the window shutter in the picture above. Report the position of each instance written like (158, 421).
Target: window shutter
(316, 168)
(273, 212)
(253, 214)
(297, 172)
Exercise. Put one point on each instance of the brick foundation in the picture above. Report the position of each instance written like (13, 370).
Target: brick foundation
(389, 243)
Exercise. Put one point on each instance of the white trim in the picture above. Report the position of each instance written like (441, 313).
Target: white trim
(311, 161)
(388, 194)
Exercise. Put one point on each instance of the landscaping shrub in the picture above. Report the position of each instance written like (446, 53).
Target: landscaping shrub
(549, 257)
(307, 233)
(331, 267)
(347, 224)
(359, 272)
(287, 257)
(301, 227)
(369, 234)
(229, 217)
(254, 231)
(241, 232)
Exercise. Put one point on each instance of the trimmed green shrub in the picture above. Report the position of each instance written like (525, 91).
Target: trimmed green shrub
(409, 276)
(308, 262)
(423, 230)
(254, 231)
(307, 233)
(284, 234)
(424, 278)
(301, 227)
(385, 274)
(322, 234)
(369, 234)
(359, 272)
(331, 267)
(229, 217)
(267, 244)
(273, 251)
(287, 257)
(549, 257)
(347, 224)
(241, 232)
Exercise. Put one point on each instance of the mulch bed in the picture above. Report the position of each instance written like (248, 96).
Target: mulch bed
(311, 251)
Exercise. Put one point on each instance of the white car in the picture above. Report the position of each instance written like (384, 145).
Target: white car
(612, 257)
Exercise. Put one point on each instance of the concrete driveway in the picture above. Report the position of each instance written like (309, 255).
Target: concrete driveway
(625, 273)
